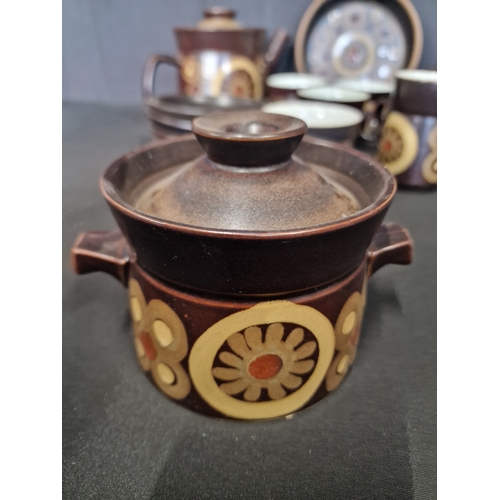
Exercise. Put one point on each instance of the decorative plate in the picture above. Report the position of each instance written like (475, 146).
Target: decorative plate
(358, 39)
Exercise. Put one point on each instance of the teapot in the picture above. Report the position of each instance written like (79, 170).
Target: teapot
(219, 57)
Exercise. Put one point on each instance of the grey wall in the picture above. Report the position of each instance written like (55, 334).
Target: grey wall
(106, 42)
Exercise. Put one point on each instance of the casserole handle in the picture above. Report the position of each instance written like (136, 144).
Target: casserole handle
(148, 79)
(105, 251)
(392, 244)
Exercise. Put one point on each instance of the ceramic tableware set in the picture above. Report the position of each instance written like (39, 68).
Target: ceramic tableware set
(247, 244)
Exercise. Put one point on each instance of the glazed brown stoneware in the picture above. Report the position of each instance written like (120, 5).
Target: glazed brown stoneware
(408, 146)
(219, 57)
(175, 113)
(246, 266)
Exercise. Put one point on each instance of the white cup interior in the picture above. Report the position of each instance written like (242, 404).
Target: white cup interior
(294, 81)
(319, 115)
(370, 86)
(334, 94)
(417, 75)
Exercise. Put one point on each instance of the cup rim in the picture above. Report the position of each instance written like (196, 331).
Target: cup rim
(417, 75)
(333, 113)
(303, 81)
(350, 95)
(371, 86)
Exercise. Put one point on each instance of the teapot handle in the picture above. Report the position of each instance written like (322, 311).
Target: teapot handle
(148, 78)
(275, 48)
(392, 244)
(105, 251)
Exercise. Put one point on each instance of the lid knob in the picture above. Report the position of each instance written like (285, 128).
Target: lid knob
(217, 11)
(248, 138)
(219, 18)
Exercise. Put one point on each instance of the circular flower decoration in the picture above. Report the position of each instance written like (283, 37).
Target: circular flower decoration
(429, 165)
(160, 342)
(391, 145)
(239, 77)
(272, 364)
(350, 315)
(339, 367)
(239, 84)
(347, 329)
(263, 362)
(398, 146)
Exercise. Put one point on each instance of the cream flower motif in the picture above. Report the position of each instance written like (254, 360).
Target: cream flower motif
(429, 165)
(240, 85)
(160, 341)
(347, 329)
(349, 316)
(273, 365)
(298, 340)
(339, 367)
(398, 146)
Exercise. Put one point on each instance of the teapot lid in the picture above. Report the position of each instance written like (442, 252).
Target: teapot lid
(218, 18)
(248, 179)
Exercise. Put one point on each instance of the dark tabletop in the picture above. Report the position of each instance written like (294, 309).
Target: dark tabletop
(373, 438)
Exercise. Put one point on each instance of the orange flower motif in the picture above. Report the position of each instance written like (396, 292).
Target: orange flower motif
(273, 364)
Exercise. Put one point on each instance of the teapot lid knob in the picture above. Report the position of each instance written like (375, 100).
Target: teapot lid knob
(219, 18)
(217, 11)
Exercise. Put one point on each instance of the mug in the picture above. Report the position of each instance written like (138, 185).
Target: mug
(408, 146)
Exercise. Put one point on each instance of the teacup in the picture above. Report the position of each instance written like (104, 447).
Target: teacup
(334, 122)
(408, 146)
(334, 94)
(285, 85)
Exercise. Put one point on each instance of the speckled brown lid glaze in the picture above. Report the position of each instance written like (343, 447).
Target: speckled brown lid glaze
(248, 179)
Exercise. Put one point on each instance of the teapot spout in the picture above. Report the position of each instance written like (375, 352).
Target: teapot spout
(275, 49)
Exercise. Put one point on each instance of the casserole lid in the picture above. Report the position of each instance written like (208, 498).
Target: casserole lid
(247, 180)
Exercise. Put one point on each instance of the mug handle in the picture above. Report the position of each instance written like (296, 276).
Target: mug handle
(392, 244)
(148, 78)
(275, 49)
(105, 251)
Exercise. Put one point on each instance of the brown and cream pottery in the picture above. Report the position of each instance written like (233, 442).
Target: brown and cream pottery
(251, 309)
(408, 146)
(219, 57)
